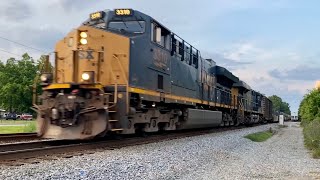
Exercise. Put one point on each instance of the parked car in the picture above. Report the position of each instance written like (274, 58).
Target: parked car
(12, 116)
(26, 117)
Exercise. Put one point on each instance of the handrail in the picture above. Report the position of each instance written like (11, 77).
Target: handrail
(126, 81)
(115, 96)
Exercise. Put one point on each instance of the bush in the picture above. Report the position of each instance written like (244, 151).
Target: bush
(309, 113)
(311, 133)
(309, 109)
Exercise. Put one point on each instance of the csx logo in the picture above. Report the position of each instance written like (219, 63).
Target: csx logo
(86, 55)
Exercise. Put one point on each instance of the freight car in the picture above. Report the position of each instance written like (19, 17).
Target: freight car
(122, 71)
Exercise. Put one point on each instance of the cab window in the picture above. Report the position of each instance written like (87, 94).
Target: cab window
(160, 35)
(128, 26)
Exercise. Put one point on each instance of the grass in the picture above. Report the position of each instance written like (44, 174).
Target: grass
(311, 132)
(9, 122)
(17, 127)
(260, 136)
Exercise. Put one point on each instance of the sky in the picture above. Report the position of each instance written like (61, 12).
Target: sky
(270, 44)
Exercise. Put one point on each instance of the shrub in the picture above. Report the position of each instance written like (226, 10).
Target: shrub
(311, 133)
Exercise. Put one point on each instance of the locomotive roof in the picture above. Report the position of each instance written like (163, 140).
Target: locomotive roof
(242, 84)
(112, 15)
(221, 71)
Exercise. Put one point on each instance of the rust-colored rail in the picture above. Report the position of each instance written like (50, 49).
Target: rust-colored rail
(17, 136)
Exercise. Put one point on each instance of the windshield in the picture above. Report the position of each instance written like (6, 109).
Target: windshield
(100, 25)
(128, 26)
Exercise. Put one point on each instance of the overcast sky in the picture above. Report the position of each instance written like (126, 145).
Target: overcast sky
(272, 45)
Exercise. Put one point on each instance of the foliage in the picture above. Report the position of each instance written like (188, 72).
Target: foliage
(309, 113)
(259, 136)
(279, 105)
(311, 133)
(309, 108)
(16, 80)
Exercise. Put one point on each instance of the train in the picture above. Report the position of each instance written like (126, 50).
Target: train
(122, 72)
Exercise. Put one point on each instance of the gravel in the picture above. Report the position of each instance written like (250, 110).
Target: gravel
(224, 155)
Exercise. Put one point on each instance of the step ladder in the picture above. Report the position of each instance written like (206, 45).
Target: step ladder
(113, 122)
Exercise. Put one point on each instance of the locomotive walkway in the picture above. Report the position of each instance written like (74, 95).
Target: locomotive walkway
(223, 155)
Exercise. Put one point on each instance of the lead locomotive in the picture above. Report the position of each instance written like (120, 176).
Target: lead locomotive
(122, 71)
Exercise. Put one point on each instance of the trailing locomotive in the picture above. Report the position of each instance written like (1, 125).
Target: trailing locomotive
(122, 71)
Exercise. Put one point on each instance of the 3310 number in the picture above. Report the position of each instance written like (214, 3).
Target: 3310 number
(123, 12)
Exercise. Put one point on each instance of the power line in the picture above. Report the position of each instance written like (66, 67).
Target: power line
(23, 45)
(9, 52)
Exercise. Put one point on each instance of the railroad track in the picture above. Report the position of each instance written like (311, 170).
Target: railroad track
(35, 152)
(18, 136)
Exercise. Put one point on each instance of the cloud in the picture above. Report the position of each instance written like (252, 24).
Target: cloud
(221, 60)
(35, 38)
(301, 72)
(15, 10)
(68, 5)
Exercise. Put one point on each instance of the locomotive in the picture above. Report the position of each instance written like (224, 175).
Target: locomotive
(122, 71)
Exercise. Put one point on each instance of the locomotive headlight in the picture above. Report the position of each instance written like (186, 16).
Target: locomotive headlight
(83, 35)
(83, 41)
(44, 77)
(85, 76)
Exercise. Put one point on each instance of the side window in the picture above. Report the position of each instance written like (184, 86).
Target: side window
(195, 58)
(184, 51)
(160, 35)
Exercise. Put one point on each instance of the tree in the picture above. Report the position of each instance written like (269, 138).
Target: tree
(279, 105)
(309, 108)
(16, 79)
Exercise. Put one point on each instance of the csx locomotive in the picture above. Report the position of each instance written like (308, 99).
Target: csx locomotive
(122, 71)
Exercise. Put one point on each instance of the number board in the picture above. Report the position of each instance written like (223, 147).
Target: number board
(97, 15)
(123, 12)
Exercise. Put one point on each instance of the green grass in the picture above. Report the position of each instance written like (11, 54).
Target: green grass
(18, 127)
(259, 136)
(8, 122)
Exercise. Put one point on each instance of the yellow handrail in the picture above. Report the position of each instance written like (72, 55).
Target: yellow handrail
(126, 81)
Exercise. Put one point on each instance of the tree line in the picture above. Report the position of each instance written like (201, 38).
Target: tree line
(279, 105)
(16, 80)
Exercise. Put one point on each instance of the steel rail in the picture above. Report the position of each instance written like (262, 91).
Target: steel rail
(17, 136)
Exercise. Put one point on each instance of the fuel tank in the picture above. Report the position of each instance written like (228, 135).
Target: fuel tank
(196, 118)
